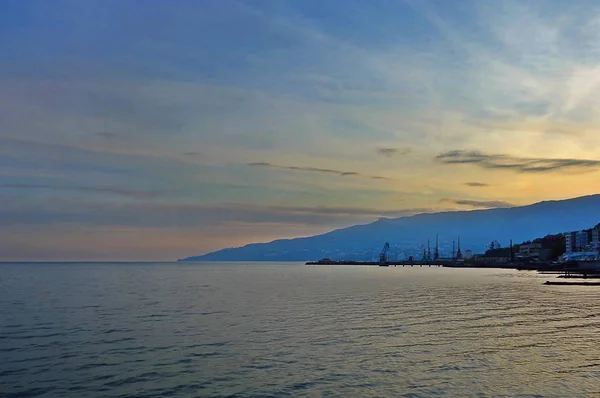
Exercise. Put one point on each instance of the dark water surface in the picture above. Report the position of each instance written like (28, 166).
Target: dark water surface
(154, 330)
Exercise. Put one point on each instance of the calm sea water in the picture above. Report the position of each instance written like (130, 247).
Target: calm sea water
(154, 330)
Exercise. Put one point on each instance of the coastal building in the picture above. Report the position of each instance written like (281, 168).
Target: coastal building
(576, 241)
(569, 242)
(581, 240)
(530, 250)
(496, 259)
(500, 255)
(468, 254)
(579, 256)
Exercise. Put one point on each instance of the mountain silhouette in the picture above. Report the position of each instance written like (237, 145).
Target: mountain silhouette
(409, 235)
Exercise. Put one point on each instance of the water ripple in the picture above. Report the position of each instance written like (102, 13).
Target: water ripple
(263, 331)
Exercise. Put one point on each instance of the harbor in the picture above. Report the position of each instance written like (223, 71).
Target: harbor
(581, 274)
(379, 264)
(521, 266)
(571, 283)
(570, 255)
(438, 263)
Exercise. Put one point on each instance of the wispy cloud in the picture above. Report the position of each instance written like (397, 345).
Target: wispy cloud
(351, 211)
(144, 214)
(518, 164)
(317, 170)
(107, 135)
(484, 204)
(477, 184)
(390, 152)
(338, 93)
(131, 193)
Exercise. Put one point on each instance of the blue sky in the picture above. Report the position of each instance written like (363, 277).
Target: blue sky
(157, 130)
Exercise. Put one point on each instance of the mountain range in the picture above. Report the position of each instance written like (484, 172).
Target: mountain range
(410, 235)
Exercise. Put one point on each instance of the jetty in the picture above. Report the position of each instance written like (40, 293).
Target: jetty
(451, 263)
(572, 283)
(432, 263)
(581, 275)
(380, 264)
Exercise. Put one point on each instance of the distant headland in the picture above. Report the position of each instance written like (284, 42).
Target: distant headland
(540, 224)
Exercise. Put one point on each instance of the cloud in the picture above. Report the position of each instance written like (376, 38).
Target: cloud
(260, 164)
(306, 86)
(131, 193)
(107, 135)
(478, 203)
(349, 211)
(150, 214)
(518, 164)
(389, 152)
(317, 170)
(476, 184)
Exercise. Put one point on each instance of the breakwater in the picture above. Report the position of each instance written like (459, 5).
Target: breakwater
(445, 263)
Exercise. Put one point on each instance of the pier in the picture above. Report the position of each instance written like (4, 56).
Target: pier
(436, 263)
(581, 276)
(572, 283)
(379, 264)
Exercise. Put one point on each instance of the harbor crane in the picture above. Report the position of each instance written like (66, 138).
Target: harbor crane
(383, 254)
(428, 250)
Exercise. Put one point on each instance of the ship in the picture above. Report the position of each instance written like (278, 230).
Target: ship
(586, 264)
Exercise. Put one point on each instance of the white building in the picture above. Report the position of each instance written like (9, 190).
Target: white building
(530, 250)
(569, 242)
(581, 240)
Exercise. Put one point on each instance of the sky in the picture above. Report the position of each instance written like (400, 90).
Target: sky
(156, 130)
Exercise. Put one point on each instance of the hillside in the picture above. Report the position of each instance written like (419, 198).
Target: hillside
(406, 234)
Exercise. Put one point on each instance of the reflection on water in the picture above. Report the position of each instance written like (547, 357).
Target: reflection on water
(270, 330)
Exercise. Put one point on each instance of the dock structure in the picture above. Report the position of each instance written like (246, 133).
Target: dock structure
(440, 263)
(582, 276)
(572, 283)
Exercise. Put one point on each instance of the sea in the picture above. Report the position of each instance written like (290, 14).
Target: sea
(277, 330)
